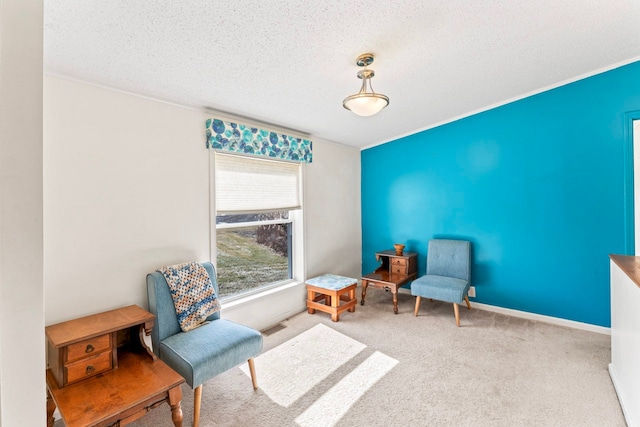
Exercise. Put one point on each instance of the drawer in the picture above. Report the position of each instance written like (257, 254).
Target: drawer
(88, 347)
(395, 262)
(88, 367)
(398, 269)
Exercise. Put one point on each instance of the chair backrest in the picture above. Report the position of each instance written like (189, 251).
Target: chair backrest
(450, 258)
(161, 304)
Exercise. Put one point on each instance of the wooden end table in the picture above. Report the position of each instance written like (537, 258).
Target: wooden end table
(102, 373)
(395, 271)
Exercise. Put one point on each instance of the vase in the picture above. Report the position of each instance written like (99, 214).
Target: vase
(399, 248)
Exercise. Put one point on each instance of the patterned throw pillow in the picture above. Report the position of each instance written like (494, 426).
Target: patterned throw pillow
(194, 296)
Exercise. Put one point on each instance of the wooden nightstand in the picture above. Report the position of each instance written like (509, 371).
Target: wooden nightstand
(394, 271)
(102, 373)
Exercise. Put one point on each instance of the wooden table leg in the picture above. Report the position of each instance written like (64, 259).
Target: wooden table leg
(310, 297)
(352, 296)
(364, 291)
(395, 300)
(175, 396)
(51, 407)
(335, 303)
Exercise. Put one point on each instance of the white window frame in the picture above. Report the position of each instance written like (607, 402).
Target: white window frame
(297, 261)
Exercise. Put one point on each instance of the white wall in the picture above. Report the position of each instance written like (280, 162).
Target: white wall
(127, 191)
(332, 211)
(22, 359)
(126, 187)
(625, 343)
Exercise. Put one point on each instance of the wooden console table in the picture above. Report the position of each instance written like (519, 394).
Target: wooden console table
(394, 271)
(102, 373)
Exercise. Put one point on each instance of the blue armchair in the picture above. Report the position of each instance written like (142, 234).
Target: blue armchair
(202, 353)
(448, 274)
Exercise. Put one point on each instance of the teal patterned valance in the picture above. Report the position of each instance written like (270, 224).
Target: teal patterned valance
(237, 138)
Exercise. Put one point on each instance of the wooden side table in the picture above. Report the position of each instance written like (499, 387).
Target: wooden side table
(394, 271)
(102, 373)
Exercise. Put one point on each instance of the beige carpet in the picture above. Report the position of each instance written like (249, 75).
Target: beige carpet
(494, 370)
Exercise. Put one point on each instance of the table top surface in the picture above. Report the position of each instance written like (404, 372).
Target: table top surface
(392, 253)
(65, 333)
(391, 279)
(630, 265)
(96, 399)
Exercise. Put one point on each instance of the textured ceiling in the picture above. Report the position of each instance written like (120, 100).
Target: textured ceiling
(291, 63)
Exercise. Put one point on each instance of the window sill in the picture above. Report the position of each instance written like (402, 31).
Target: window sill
(232, 302)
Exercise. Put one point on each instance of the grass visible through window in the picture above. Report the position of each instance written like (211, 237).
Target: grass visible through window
(244, 264)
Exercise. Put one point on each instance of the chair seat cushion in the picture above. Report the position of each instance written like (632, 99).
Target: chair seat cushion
(440, 288)
(209, 350)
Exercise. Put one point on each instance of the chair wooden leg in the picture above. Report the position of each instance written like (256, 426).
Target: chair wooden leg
(457, 313)
(466, 299)
(197, 397)
(252, 369)
(415, 311)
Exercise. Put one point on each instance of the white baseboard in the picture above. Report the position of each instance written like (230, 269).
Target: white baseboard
(542, 318)
(533, 316)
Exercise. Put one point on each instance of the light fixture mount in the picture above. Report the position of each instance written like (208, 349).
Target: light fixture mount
(364, 60)
(365, 74)
(366, 102)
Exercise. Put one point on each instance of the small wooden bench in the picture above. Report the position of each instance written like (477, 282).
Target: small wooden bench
(332, 289)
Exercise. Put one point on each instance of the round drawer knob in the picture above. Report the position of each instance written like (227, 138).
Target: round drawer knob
(90, 369)
(89, 349)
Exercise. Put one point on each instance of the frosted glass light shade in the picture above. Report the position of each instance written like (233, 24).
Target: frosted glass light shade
(365, 104)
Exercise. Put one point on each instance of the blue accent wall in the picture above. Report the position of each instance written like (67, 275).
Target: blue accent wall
(540, 187)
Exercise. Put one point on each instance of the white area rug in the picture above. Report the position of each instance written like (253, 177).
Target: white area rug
(291, 369)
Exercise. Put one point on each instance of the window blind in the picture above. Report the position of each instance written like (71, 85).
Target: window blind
(250, 184)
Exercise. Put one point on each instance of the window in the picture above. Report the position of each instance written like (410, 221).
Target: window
(258, 203)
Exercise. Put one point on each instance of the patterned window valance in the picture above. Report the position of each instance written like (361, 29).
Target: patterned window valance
(237, 138)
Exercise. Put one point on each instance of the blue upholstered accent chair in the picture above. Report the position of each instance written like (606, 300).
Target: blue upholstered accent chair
(448, 274)
(203, 352)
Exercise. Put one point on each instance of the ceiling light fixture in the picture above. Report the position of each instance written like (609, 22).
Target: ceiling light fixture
(366, 102)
